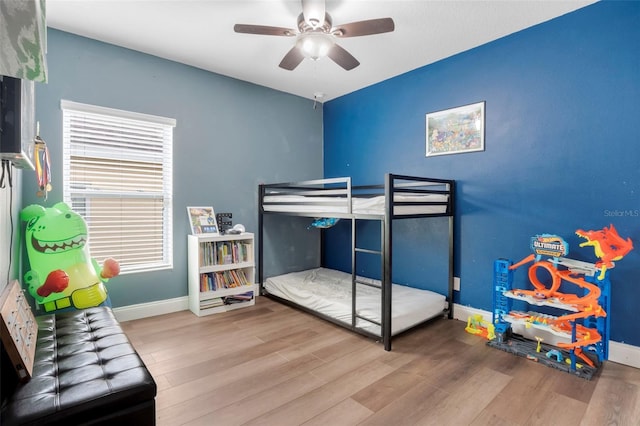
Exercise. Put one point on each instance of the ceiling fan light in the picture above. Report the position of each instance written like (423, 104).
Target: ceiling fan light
(315, 45)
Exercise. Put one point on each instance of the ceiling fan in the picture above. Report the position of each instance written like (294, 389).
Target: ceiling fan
(316, 36)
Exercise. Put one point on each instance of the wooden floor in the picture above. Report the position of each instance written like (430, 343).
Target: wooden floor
(270, 364)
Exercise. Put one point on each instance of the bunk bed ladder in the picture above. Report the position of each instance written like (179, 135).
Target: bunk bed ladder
(354, 277)
(385, 265)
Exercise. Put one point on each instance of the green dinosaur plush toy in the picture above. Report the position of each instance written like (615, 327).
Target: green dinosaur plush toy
(62, 274)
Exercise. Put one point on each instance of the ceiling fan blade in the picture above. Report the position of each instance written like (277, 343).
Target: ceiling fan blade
(313, 12)
(263, 30)
(292, 59)
(343, 58)
(363, 28)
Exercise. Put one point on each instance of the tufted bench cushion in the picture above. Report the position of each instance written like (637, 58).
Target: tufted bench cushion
(85, 372)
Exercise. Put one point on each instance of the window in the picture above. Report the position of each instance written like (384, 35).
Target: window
(117, 168)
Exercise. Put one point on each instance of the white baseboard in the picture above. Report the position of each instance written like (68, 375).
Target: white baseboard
(151, 309)
(620, 353)
(624, 354)
(462, 313)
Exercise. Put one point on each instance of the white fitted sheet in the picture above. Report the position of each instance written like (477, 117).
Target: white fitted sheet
(371, 206)
(329, 292)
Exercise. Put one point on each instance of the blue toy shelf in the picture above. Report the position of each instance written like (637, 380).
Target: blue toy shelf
(505, 318)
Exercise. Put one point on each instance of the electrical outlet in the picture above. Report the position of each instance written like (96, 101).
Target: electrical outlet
(456, 283)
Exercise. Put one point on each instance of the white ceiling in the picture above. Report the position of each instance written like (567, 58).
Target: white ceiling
(200, 33)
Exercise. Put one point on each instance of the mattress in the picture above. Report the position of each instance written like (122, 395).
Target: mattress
(370, 205)
(328, 292)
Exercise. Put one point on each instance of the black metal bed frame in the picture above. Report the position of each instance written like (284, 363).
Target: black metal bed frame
(339, 193)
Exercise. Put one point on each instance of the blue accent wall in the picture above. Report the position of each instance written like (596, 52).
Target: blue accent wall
(562, 147)
(230, 136)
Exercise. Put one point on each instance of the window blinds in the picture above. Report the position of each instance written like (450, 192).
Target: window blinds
(117, 168)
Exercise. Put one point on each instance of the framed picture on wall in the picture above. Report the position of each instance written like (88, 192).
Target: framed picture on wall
(456, 130)
(202, 220)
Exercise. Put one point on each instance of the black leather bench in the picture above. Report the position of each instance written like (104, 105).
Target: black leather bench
(85, 371)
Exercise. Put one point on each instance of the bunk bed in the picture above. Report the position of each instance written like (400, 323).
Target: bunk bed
(380, 308)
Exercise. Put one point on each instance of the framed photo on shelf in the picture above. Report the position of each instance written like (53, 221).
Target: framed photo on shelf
(202, 220)
(456, 130)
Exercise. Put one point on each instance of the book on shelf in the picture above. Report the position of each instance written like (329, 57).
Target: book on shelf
(211, 303)
(212, 281)
(238, 298)
(223, 252)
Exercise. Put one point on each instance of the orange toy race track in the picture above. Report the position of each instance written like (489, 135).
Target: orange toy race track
(586, 305)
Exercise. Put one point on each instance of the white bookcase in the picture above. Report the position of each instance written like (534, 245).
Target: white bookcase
(221, 273)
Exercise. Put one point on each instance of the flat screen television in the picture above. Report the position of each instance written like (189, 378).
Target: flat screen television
(17, 121)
